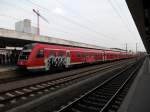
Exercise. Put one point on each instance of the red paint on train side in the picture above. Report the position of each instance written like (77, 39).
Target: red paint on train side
(43, 56)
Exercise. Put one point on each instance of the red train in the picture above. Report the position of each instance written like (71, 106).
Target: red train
(44, 57)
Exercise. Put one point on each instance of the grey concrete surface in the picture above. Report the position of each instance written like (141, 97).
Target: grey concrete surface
(138, 98)
(5, 68)
(13, 35)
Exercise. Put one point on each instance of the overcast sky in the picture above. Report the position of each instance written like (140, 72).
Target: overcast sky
(106, 23)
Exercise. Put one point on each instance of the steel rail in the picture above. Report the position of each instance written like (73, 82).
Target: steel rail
(12, 96)
(68, 107)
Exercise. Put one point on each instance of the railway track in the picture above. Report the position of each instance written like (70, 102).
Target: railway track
(106, 97)
(9, 77)
(15, 97)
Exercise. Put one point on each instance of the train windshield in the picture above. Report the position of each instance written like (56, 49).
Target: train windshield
(24, 55)
(26, 51)
(29, 46)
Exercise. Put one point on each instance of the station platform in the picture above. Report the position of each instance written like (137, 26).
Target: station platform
(5, 68)
(138, 98)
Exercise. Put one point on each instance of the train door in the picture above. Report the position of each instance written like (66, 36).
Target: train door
(83, 57)
(68, 58)
(38, 60)
(46, 59)
(104, 56)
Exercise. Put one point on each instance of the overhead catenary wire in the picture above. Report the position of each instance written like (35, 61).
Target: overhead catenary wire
(126, 18)
(18, 7)
(81, 35)
(120, 16)
(41, 7)
(85, 27)
(121, 8)
(84, 32)
(88, 20)
(58, 29)
(43, 26)
(123, 21)
(67, 19)
(74, 22)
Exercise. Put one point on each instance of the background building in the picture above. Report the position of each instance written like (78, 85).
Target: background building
(25, 26)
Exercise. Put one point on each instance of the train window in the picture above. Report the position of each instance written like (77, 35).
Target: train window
(40, 53)
(78, 55)
(86, 54)
(60, 53)
(68, 54)
(52, 53)
(83, 55)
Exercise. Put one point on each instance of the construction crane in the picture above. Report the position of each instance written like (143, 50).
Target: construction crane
(39, 15)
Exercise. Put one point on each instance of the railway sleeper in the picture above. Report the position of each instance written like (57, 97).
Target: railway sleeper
(86, 108)
(105, 92)
(91, 103)
(97, 99)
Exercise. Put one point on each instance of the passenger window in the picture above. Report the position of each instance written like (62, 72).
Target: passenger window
(60, 53)
(78, 55)
(68, 54)
(52, 53)
(83, 55)
(40, 53)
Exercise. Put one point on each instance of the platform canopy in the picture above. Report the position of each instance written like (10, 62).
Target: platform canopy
(140, 10)
(13, 38)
